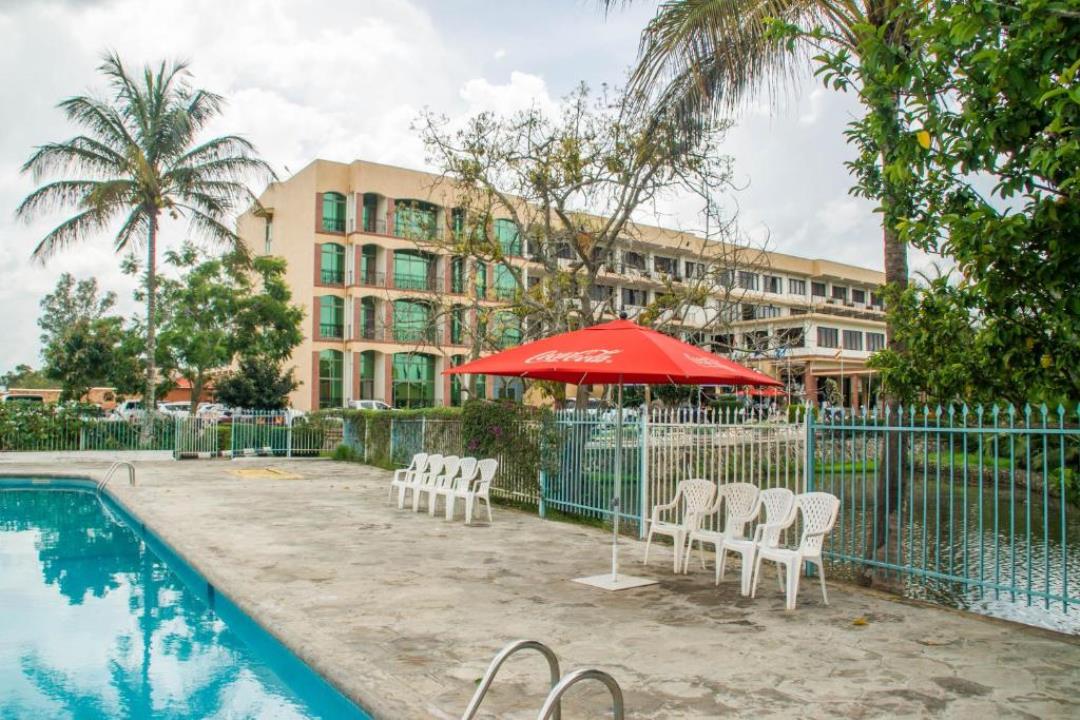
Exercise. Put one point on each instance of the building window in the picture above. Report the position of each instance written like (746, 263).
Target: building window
(632, 297)
(366, 330)
(455, 381)
(875, 341)
(839, 292)
(724, 343)
(858, 296)
(268, 238)
(774, 284)
(413, 270)
(507, 330)
(666, 266)
(331, 389)
(331, 317)
(508, 388)
(748, 280)
(853, 340)
(412, 321)
(369, 275)
(332, 264)
(369, 222)
(695, 269)
(767, 311)
(506, 233)
(414, 380)
(828, 337)
(414, 219)
(333, 212)
(601, 293)
(756, 341)
(876, 301)
(481, 280)
(505, 284)
(796, 287)
(634, 261)
(457, 325)
(791, 337)
(367, 375)
(817, 289)
(747, 311)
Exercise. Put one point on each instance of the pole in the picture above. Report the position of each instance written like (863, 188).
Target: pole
(616, 496)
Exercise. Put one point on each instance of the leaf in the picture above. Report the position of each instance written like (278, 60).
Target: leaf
(924, 139)
(860, 622)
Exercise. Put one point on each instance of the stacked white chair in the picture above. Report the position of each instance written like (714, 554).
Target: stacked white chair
(420, 478)
(819, 511)
(780, 510)
(740, 502)
(432, 477)
(482, 492)
(697, 496)
(467, 474)
(405, 476)
(451, 467)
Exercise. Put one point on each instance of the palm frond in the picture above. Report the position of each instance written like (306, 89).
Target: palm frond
(86, 194)
(133, 232)
(70, 231)
(79, 154)
(102, 120)
(210, 227)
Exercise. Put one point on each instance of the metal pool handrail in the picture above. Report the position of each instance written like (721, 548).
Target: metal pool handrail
(551, 705)
(112, 471)
(554, 711)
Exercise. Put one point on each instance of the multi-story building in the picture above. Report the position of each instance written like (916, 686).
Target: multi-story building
(370, 290)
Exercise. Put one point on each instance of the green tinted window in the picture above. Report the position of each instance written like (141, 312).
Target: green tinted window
(331, 389)
(414, 219)
(412, 321)
(412, 270)
(332, 264)
(331, 317)
(506, 233)
(333, 212)
(505, 283)
(414, 380)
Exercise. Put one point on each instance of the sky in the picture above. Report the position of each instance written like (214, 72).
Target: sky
(345, 79)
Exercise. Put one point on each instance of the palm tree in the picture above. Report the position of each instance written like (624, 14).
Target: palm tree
(140, 157)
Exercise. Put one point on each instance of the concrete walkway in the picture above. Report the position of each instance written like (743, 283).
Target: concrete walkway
(403, 612)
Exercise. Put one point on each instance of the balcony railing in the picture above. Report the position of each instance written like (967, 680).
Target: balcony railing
(332, 277)
(371, 279)
(403, 281)
(332, 224)
(331, 332)
(414, 335)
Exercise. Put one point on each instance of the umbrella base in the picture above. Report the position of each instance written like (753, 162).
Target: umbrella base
(619, 582)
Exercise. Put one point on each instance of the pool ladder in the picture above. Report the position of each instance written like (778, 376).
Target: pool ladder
(552, 707)
(113, 469)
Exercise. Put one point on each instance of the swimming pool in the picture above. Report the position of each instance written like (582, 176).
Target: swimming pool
(100, 619)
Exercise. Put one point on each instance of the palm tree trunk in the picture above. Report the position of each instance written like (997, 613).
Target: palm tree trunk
(150, 395)
(892, 445)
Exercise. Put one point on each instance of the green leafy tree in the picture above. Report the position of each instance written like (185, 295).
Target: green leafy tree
(83, 345)
(223, 307)
(991, 155)
(24, 376)
(141, 156)
(259, 383)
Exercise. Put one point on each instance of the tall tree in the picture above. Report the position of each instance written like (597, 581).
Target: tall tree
(141, 155)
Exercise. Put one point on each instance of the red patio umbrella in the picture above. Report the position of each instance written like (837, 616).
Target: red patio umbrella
(616, 352)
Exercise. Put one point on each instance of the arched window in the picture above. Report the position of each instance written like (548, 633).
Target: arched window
(331, 372)
(331, 317)
(414, 270)
(414, 219)
(414, 380)
(412, 321)
(332, 264)
(506, 233)
(333, 212)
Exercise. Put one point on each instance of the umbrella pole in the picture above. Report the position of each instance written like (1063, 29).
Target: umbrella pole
(616, 497)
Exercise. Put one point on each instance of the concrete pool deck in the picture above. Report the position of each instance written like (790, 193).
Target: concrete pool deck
(403, 612)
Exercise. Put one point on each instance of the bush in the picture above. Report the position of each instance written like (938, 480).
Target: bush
(344, 453)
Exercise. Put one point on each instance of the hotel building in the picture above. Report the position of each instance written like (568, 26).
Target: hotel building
(370, 288)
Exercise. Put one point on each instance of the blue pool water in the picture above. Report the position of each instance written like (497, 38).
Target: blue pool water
(99, 619)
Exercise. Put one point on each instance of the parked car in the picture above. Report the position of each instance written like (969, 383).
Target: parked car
(176, 409)
(25, 399)
(369, 405)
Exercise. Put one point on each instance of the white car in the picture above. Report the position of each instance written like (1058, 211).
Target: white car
(176, 409)
(369, 405)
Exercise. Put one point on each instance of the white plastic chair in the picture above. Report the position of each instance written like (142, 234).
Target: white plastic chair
(780, 510)
(404, 476)
(482, 491)
(696, 497)
(433, 468)
(467, 474)
(740, 506)
(819, 511)
(451, 466)
(433, 477)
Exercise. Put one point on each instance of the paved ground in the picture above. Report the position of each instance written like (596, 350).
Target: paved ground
(403, 612)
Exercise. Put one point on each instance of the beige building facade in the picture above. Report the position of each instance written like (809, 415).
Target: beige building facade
(375, 297)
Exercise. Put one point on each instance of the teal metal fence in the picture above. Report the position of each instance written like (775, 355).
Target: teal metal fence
(282, 434)
(973, 507)
(40, 431)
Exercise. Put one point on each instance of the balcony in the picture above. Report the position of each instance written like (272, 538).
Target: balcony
(428, 283)
(333, 224)
(425, 335)
(331, 332)
(332, 277)
(371, 279)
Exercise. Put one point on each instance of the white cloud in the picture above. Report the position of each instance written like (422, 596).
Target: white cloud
(499, 54)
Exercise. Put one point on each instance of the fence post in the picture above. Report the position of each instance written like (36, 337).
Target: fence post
(367, 427)
(289, 434)
(643, 472)
(808, 461)
(391, 441)
(542, 506)
(423, 433)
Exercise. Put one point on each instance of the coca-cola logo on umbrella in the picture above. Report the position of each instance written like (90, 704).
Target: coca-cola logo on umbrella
(705, 361)
(589, 357)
